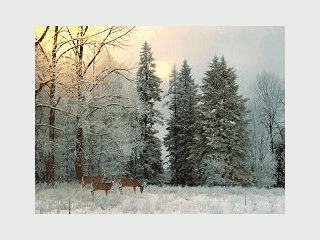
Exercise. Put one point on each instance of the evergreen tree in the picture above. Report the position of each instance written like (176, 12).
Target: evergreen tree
(170, 140)
(221, 146)
(148, 87)
(181, 125)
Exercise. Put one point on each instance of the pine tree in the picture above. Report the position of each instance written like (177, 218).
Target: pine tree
(148, 87)
(221, 146)
(181, 125)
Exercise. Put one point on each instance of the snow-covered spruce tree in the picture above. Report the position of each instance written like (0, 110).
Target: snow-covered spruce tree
(171, 138)
(148, 87)
(222, 147)
(180, 137)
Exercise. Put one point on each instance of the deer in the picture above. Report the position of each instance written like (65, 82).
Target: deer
(130, 182)
(93, 179)
(102, 186)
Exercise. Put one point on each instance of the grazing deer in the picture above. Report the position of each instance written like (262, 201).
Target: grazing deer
(93, 179)
(130, 182)
(102, 186)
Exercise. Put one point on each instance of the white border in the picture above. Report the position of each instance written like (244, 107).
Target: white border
(302, 122)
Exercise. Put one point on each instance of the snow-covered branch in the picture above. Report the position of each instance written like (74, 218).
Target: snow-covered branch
(54, 108)
(47, 125)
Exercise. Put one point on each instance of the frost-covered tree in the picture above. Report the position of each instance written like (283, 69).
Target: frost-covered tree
(85, 55)
(71, 98)
(222, 138)
(48, 72)
(267, 130)
(263, 164)
(111, 132)
(270, 95)
(148, 87)
(112, 111)
(183, 99)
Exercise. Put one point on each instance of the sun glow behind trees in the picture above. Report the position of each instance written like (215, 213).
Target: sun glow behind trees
(163, 69)
(138, 36)
(73, 66)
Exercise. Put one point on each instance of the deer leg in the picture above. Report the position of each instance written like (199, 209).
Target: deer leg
(92, 193)
(106, 192)
(120, 189)
(134, 189)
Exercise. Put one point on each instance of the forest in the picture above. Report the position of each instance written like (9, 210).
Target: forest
(95, 114)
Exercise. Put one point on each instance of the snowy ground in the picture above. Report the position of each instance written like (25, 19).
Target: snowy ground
(158, 200)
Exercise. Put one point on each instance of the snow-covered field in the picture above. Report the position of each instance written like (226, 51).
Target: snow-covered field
(154, 199)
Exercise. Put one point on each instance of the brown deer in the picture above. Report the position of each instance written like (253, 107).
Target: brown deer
(93, 179)
(130, 182)
(102, 186)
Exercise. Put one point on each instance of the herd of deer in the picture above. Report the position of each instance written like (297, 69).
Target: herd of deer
(98, 184)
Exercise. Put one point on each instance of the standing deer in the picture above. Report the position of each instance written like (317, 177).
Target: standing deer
(93, 179)
(102, 186)
(130, 182)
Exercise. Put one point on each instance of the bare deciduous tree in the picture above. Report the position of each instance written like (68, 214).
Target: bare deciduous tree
(271, 101)
(72, 51)
(111, 36)
(271, 98)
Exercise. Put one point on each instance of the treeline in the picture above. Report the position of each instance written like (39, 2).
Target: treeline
(89, 114)
(213, 138)
(92, 114)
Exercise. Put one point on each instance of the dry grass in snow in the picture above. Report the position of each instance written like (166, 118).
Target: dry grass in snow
(167, 199)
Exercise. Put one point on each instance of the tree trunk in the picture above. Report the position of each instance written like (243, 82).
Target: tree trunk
(79, 139)
(91, 152)
(51, 161)
(79, 152)
(271, 137)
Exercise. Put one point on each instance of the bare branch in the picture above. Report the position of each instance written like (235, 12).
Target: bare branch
(84, 38)
(125, 77)
(57, 102)
(115, 70)
(112, 104)
(109, 95)
(72, 48)
(42, 84)
(54, 108)
(47, 125)
(42, 36)
(104, 43)
(43, 52)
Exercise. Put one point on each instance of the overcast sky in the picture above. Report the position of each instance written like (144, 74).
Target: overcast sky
(250, 50)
